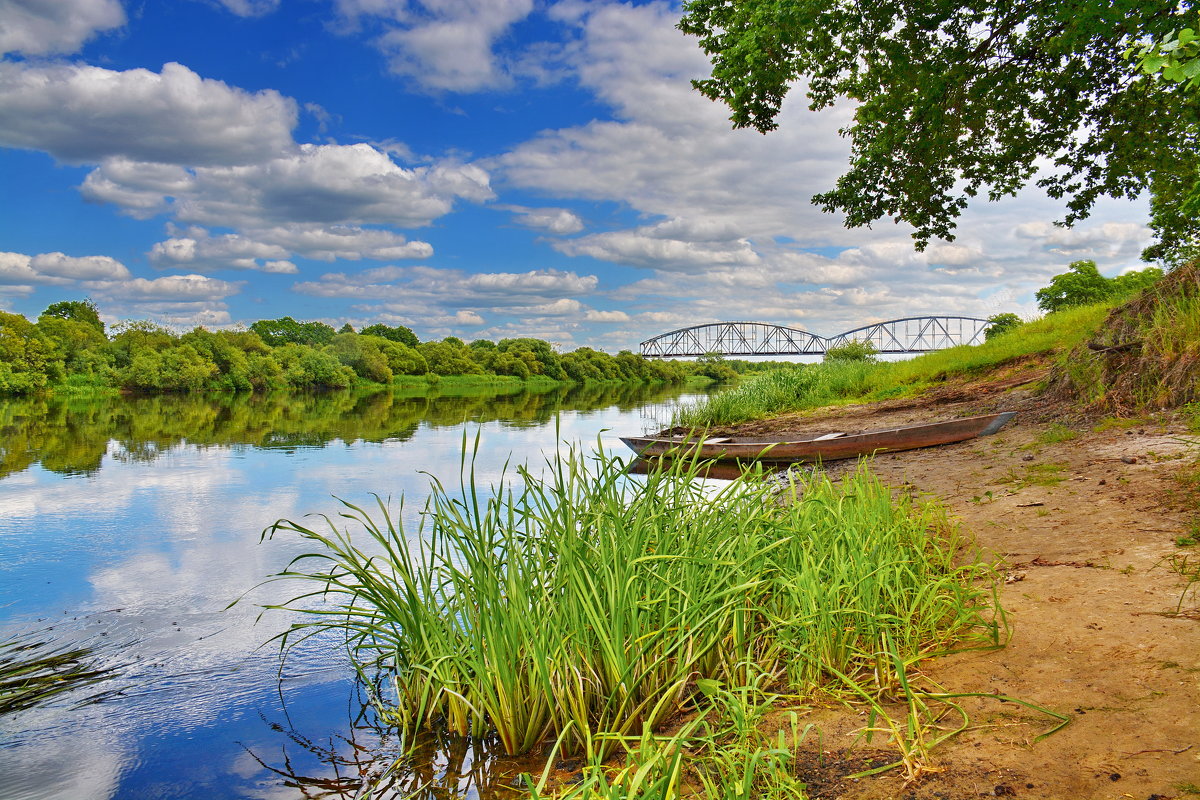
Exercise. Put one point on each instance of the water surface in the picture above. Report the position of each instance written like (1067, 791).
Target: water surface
(128, 525)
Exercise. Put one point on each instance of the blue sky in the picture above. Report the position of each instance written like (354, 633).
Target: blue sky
(474, 168)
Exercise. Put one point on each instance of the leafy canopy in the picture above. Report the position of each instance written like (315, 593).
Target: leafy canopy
(1082, 284)
(853, 350)
(1001, 323)
(961, 97)
(1175, 206)
(84, 311)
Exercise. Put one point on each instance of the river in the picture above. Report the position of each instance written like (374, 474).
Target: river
(128, 525)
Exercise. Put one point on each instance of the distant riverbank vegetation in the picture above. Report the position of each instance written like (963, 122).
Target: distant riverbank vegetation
(68, 348)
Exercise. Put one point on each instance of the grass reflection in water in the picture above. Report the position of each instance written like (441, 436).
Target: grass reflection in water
(372, 760)
(35, 670)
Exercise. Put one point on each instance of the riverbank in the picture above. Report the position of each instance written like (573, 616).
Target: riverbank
(1083, 519)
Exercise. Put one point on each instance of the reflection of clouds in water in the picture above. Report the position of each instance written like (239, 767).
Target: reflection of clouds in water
(170, 583)
(113, 488)
(75, 764)
(170, 542)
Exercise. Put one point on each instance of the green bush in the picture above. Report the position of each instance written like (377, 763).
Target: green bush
(305, 367)
(27, 358)
(853, 350)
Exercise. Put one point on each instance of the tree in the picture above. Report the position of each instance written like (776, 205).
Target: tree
(399, 333)
(286, 330)
(712, 365)
(26, 358)
(362, 354)
(84, 311)
(961, 97)
(1133, 282)
(1175, 203)
(1001, 323)
(853, 350)
(80, 345)
(1081, 285)
(449, 357)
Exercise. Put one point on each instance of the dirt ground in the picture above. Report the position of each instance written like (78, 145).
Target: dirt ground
(1082, 529)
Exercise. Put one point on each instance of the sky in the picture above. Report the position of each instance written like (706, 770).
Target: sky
(475, 168)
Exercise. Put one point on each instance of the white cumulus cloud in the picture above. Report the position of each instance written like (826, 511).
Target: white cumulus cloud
(595, 315)
(85, 268)
(411, 289)
(647, 247)
(347, 242)
(84, 114)
(551, 220)
(442, 45)
(37, 27)
(200, 250)
(171, 287)
(313, 185)
(250, 8)
(59, 269)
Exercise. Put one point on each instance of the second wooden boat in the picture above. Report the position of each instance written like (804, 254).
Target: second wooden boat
(828, 446)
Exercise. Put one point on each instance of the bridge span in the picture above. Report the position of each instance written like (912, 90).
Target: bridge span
(905, 335)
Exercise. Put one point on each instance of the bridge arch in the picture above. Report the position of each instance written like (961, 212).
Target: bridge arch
(904, 335)
(733, 339)
(916, 334)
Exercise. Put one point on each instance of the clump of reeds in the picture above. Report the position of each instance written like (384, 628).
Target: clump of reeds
(779, 390)
(581, 605)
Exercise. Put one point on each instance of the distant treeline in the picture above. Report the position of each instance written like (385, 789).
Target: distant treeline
(69, 346)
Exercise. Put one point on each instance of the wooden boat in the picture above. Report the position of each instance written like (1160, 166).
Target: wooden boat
(828, 446)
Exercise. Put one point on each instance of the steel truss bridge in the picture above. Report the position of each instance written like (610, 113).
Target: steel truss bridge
(907, 335)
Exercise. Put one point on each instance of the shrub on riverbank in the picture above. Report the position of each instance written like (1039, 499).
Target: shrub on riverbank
(577, 605)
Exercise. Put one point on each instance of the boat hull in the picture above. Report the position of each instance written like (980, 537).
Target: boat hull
(829, 447)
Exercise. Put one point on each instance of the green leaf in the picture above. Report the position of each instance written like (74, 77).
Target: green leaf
(1152, 64)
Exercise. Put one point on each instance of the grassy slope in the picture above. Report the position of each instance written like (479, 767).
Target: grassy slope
(816, 385)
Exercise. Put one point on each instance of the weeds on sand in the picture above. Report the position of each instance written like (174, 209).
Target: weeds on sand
(1048, 474)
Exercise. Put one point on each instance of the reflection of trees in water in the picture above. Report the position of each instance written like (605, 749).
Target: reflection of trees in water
(72, 435)
(371, 761)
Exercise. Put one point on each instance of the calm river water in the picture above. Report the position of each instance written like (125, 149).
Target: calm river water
(127, 526)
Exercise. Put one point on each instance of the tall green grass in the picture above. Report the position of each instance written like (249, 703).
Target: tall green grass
(807, 386)
(577, 604)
